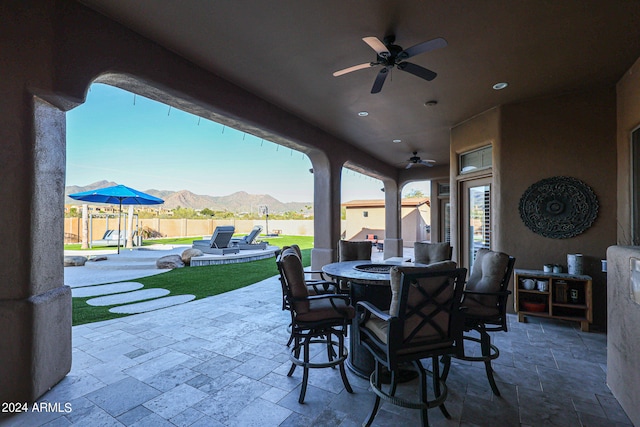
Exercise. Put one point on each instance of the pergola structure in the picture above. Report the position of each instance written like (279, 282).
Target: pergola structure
(569, 109)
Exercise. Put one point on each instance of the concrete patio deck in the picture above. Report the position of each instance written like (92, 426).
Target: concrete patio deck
(222, 361)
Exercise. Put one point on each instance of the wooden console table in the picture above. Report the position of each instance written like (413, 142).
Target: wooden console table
(567, 297)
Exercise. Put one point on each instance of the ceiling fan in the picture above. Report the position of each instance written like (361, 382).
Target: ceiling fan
(390, 55)
(415, 160)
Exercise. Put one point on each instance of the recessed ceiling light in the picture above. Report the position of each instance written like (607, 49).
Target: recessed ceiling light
(501, 85)
(397, 141)
(363, 113)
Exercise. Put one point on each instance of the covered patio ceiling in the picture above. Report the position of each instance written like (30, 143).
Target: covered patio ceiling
(285, 52)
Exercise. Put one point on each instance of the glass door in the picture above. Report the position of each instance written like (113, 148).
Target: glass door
(476, 218)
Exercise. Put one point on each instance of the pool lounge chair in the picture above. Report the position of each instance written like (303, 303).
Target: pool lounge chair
(219, 244)
(110, 238)
(248, 241)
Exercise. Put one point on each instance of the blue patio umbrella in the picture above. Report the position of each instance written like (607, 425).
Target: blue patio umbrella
(120, 195)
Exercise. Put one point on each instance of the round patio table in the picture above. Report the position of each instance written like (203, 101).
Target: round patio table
(370, 282)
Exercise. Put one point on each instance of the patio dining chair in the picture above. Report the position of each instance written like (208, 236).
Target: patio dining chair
(485, 303)
(424, 321)
(314, 286)
(428, 253)
(315, 319)
(317, 281)
(353, 250)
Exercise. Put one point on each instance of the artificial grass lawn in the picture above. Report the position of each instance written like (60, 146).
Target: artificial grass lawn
(201, 281)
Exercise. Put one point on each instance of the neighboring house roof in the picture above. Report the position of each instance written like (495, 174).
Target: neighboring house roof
(408, 202)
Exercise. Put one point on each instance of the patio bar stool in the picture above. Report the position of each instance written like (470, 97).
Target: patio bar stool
(315, 319)
(485, 304)
(424, 321)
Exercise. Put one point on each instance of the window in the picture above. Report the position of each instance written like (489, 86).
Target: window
(444, 189)
(476, 160)
(365, 214)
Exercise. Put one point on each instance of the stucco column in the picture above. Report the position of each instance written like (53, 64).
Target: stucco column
(35, 306)
(623, 334)
(392, 231)
(326, 208)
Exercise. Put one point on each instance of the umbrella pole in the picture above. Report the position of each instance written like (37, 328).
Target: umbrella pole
(119, 217)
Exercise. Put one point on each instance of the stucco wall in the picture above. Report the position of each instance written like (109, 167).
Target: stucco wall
(571, 135)
(359, 225)
(479, 131)
(414, 220)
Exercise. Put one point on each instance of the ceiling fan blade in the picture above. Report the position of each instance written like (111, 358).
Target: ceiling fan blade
(354, 68)
(417, 70)
(377, 45)
(409, 165)
(380, 78)
(427, 162)
(422, 48)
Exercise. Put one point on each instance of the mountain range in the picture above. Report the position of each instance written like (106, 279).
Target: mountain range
(240, 201)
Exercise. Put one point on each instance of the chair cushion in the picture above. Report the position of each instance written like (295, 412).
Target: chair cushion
(396, 281)
(322, 309)
(378, 326)
(295, 248)
(487, 274)
(380, 329)
(473, 308)
(428, 253)
(294, 274)
(354, 250)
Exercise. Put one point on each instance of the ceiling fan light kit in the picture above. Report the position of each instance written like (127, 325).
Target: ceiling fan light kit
(389, 55)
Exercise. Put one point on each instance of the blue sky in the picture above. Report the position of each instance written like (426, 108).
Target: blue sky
(148, 145)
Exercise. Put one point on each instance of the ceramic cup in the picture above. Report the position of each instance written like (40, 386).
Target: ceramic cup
(543, 285)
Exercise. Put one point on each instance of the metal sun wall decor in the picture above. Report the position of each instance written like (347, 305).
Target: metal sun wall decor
(559, 207)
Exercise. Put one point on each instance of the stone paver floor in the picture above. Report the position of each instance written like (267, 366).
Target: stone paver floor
(153, 304)
(222, 361)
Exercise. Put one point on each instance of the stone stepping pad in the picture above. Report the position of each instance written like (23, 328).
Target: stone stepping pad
(142, 307)
(128, 297)
(108, 289)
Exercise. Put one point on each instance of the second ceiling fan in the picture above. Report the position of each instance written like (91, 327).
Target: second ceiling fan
(416, 160)
(390, 55)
